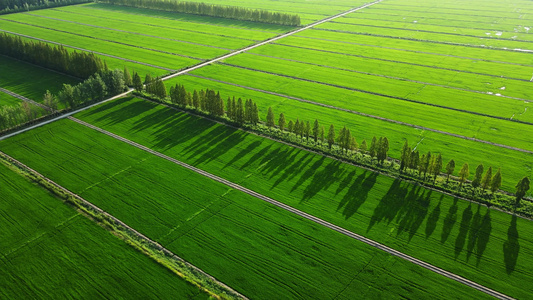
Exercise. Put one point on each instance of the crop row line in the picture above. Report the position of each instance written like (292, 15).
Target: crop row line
(435, 32)
(424, 40)
(95, 52)
(104, 40)
(365, 115)
(387, 96)
(303, 214)
(131, 32)
(417, 51)
(136, 233)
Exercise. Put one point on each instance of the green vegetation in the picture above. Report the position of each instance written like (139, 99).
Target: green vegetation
(221, 11)
(8, 100)
(422, 223)
(12, 6)
(228, 234)
(42, 238)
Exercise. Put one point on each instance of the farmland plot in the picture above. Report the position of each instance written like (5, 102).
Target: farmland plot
(260, 250)
(419, 222)
(48, 250)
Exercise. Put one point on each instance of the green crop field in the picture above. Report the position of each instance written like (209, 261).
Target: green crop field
(29, 80)
(8, 100)
(260, 250)
(424, 224)
(48, 250)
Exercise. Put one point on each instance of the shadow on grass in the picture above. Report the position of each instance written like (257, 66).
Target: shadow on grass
(433, 219)
(511, 247)
(357, 193)
(463, 230)
(449, 221)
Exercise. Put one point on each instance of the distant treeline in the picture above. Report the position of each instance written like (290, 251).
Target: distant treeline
(78, 64)
(12, 6)
(11, 116)
(222, 11)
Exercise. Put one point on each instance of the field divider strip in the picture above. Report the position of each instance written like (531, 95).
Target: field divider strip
(26, 99)
(86, 50)
(391, 96)
(97, 209)
(366, 115)
(269, 40)
(302, 214)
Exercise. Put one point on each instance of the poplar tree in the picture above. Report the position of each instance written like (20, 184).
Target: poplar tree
(270, 118)
(521, 189)
(307, 130)
(239, 113)
(137, 82)
(496, 181)
(290, 126)
(477, 177)
(405, 156)
(485, 182)
(281, 122)
(364, 146)
(229, 111)
(383, 149)
(255, 114)
(127, 77)
(436, 167)
(414, 160)
(331, 136)
(316, 128)
(450, 166)
(464, 173)
(321, 134)
(373, 147)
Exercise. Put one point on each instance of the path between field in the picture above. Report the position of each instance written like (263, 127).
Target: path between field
(118, 221)
(303, 214)
(90, 51)
(26, 99)
(368, 115)
(269, 40)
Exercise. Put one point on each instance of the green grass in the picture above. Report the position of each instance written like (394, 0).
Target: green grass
(458, 236)
(260, 250)
(30, 80)
(365, 128)
(48, 250)
(8, 100)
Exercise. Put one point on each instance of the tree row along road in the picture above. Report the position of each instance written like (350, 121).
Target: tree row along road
(26, 99)
(97, 209)
(367, 115)
(85, 50)
(390, 96)
(303, 214)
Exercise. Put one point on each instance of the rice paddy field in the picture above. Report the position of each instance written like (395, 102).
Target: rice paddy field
(449, 77)
(258, 249)
(48, 250)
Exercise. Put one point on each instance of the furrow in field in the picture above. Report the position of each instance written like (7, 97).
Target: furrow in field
(392, 96)
(95, 52)
(366, 115)
(303, 214)
(106, 40)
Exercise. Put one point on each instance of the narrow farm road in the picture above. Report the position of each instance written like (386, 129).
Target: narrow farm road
(269, 40)
(141, 236)
(26, 99)
(368, 115)
(303, 214)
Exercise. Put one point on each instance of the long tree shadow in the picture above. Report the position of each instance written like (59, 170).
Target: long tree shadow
(357, 193)
(221, 146)
(294, 168)
(345, 182)
(472, 233)
(449, 221)
(389, 205)
(256, 157)
(483, 236)
(245, 151)
(511, 247)
(463, 230)
(414, 211)
(433, 219)
(311, 171)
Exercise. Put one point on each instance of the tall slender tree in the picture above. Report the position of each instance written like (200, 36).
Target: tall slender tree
(282, 122)
(485, 182)
(331, 136)
(521, 189)
(496, 181)
(464, 173)
(450, 166)
(270, 118)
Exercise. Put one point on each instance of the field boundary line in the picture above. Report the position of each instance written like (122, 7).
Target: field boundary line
(86, 50)
(26, 99)
(391, 96)
(300, 213)
(118, 221)
(367, 115)
(269, 40)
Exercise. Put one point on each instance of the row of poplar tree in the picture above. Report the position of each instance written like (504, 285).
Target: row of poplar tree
(78, 64)
(213, 10)
(428, 166)
(13, 6)
(11, 116)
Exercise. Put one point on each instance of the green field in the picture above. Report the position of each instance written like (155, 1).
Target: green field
(423, 224)
(29, 80)
(8, 100)
(48, 250)
(260, 250)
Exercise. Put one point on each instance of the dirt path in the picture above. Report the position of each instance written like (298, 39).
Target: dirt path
(85, 50)
(368, 115)
(151, 242)
(26, 99)
(303, 214)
